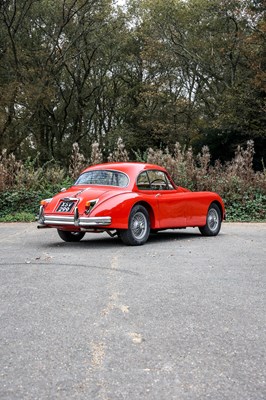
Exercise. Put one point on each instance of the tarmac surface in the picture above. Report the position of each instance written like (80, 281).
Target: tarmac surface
(182, 317)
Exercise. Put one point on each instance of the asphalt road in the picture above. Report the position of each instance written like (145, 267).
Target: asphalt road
(182, 317)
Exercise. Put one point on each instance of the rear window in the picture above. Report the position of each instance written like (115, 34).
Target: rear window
(103, 178)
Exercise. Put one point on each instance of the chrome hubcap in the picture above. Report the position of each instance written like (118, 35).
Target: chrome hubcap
(139, 225)
(213, 219)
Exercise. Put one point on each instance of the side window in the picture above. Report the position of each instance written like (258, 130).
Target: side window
(154, 180)
(158, 180)
(143, 182)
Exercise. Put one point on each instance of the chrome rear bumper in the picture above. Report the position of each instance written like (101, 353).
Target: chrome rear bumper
(74, 220)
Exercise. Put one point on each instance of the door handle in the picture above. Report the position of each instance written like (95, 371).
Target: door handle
(158, 194)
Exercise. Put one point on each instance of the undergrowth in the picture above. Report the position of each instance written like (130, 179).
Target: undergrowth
(24, 184)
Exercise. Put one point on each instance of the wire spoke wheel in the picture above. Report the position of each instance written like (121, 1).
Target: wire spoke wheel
(213, 221)
(138, 227)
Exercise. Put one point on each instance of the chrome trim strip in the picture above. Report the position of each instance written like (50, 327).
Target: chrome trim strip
(56, 219)
(48, 222)
(83, 221)
(69, 199)
(95, 221)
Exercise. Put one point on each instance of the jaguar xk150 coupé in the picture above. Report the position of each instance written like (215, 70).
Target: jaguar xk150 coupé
(129, 200)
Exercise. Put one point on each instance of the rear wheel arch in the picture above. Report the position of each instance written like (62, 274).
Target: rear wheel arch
(138, 230)
(149, 209)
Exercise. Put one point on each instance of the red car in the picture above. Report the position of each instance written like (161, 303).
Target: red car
(129, 200)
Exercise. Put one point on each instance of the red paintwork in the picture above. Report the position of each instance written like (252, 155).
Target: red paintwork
(167, 208)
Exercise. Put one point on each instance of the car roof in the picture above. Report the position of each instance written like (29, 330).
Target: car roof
(130, 168)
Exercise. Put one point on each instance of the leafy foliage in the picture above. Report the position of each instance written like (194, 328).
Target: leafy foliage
(243, 189)
(153, 73)
(252, 207)
(18, 217)
(23, 205)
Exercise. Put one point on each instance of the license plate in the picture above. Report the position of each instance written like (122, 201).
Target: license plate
(65, 206)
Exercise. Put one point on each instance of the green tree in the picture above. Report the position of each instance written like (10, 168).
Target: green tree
(153, 74)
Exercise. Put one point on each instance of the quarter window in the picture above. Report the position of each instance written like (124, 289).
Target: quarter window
(143, 182)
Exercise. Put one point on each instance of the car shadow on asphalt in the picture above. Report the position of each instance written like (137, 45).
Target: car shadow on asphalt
(109, 242)
(174, 235)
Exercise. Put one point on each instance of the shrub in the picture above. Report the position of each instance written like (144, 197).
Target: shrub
(249, 208)
(17, 202)
(18, 217)
(10, 169)
(120, 153)
(23, 185)
(77, 161)
(96, 154)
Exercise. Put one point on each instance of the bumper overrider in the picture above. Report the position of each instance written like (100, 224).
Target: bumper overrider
(74, 220)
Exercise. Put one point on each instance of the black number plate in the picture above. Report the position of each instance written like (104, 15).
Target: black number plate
(65, 206)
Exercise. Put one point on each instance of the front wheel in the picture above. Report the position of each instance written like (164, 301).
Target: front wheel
(138, 227)
(213, 221)
(68, 236)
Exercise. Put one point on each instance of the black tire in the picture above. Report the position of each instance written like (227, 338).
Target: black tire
(68, 236)
(213, 221)
(138, 227)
